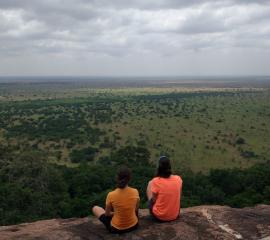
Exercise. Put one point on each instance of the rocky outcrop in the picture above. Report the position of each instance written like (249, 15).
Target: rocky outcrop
(203, 222)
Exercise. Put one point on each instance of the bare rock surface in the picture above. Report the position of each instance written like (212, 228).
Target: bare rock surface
(202, 222)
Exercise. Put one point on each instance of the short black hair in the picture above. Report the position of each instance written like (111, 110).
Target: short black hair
(164, 167)
(123, 176)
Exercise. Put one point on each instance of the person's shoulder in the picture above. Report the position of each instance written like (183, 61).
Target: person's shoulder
(176, 177)
(131, 189)
(113, 192)
(159, 180)
(155, 179)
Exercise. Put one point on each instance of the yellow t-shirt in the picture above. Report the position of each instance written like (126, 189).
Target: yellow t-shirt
(124, 203)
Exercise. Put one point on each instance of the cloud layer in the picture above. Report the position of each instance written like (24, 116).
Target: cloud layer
(104, 37)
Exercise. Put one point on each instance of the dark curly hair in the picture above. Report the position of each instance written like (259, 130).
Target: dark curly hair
(164, 167)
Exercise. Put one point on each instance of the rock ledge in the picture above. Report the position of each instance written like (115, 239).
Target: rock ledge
(202, 222)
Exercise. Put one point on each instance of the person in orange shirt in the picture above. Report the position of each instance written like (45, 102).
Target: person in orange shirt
(164, 193)
(122, 204)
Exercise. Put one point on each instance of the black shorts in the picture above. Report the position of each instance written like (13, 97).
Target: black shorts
(106, 220)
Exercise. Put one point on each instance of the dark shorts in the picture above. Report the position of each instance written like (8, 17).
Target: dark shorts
(106, 220)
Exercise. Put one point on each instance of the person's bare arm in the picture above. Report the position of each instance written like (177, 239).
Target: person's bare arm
(137, 208)
(109, 210)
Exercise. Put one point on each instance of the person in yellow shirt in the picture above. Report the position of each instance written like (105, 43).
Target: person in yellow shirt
(121, 212)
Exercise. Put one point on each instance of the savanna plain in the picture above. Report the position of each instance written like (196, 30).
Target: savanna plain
(62, 141)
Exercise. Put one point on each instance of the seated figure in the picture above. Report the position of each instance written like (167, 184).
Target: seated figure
(164, 193)
(122, 204)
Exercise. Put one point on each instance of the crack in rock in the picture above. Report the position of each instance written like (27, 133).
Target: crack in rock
(224, 227)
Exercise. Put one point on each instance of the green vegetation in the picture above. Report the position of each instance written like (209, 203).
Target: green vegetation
(58, 156)
(86, 154)
(31, 188)
(199, 130)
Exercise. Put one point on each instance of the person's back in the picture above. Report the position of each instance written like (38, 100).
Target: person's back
(123, 201)
(122, 205)
(168, 190)
(164, 192)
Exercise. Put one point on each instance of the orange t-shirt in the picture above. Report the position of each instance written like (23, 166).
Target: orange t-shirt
(124, 203)
(168, 190)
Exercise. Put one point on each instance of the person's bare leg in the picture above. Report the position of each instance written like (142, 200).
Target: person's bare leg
(148, 191)
(98, 211)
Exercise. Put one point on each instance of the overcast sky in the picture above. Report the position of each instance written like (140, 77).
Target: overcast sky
(140, 37)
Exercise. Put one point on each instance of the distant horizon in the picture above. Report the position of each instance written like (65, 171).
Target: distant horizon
(135, 79)
(136, 76)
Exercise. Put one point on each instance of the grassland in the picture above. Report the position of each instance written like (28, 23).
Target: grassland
(198, 127)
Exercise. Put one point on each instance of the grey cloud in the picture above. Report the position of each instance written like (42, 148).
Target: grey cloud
(168, 4)
(120, 4)
(205, 22)
(117, 29)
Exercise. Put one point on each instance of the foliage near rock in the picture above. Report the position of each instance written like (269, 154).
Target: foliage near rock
(31, 188)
